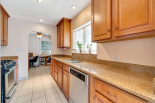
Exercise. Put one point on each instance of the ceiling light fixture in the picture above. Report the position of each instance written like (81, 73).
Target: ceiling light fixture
(73, 7)
(40, 20)
(38, 0)
(39, 35)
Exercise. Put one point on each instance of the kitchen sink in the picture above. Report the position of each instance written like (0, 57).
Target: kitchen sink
(73, 61)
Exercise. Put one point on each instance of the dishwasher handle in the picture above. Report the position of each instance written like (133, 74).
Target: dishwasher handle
(87, 79)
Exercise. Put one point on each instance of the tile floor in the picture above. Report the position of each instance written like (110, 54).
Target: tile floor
(40, 87)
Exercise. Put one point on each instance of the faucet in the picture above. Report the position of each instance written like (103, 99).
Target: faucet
(74, 50)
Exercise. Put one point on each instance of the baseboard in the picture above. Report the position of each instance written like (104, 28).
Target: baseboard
(22, 78)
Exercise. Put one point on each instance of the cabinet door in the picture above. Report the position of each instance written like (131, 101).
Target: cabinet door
(101, 19)
(133, 16)
(5, 30)
(98, 98)
(58, 36)
(2, 28)
(51, 67)
(60, 77)
(65, 86)
(61, 36)
(17, 69)
(55, 73)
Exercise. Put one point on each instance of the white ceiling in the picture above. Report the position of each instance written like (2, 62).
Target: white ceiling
(51, 11)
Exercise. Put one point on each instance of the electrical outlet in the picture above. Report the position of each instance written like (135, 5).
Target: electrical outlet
(19, 49)
(115, 58)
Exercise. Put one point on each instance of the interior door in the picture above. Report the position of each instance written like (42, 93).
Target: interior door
(2, 28)
(98, 98)
(5, 30)
(133, 16)
(65, 82)
(101, 19)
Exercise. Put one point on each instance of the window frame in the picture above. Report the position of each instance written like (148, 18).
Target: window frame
(84, 33)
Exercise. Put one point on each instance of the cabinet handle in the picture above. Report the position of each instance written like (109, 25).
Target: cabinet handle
(93, 97)
(108, 29)
(108, 92)
(115, 96)
(115, 27)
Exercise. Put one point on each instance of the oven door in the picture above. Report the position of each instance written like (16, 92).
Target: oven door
(10, 80)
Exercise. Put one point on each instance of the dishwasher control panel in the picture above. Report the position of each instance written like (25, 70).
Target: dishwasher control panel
(77, 74)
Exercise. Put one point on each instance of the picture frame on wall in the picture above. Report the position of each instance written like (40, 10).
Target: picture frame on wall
(45, 45)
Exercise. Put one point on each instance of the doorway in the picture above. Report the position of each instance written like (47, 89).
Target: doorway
(41, 47)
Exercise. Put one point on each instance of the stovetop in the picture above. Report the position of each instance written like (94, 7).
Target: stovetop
(8, 64)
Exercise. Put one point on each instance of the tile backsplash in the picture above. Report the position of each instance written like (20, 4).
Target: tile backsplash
(135, 67)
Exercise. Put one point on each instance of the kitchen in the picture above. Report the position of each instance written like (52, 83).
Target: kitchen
(118, 68)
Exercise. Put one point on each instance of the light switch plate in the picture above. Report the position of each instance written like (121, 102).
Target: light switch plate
(115, 58)
(19, 49)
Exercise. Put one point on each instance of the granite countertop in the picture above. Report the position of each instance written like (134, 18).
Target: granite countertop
(134, 82)
(9, 57)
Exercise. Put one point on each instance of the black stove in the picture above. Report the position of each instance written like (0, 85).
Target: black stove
(7, 64)
(8, 79)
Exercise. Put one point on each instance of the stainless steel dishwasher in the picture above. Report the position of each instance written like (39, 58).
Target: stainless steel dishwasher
(79, 87)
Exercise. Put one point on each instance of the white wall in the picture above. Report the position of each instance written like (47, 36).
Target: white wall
(35, 44)
(138, 51)
(18, 34)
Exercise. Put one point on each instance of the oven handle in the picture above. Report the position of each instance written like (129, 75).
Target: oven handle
(12, 91)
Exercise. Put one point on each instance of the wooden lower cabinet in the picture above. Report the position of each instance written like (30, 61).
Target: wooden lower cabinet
(65, 86)
(98, 98)
(55, 73)
(52, 67)
(101, 92)
(60, 77)
(60, 73)
(16, 69)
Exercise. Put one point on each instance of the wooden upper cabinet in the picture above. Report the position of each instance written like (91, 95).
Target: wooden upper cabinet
(4, 26)
(101, 19)
(58, 36)
(133, 16)
(64, 33)
(5, 30)
(114, 20)
(61, 36)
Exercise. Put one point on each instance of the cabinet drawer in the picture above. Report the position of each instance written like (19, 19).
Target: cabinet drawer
(66, 67)
(60, 64)
(116, 95)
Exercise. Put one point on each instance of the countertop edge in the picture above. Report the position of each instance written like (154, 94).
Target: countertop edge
(9, 57)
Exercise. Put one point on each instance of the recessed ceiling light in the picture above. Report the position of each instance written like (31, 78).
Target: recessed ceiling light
(38, 0)
(40, 20)
(73, 7)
